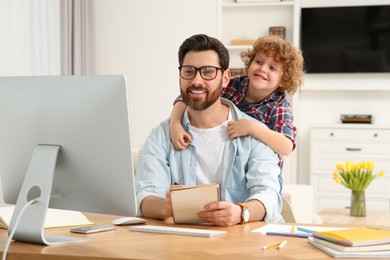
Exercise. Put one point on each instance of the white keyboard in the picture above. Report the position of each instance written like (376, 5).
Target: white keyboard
(178, 231)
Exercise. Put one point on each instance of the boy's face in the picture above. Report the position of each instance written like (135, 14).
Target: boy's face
(265, 74)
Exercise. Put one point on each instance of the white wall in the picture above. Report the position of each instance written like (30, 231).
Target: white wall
(140, 40)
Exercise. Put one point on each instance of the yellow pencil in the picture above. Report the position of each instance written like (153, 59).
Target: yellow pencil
(272, 245)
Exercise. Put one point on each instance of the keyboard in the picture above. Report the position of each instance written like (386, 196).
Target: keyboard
(178, 231)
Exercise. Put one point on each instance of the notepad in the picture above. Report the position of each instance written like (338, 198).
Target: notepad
(338, 247)
(187, 201)
(348, 254)
(355, 236)
(54, 218)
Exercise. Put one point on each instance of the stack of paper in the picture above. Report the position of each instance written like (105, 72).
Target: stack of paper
(353, 243)
(54, 218)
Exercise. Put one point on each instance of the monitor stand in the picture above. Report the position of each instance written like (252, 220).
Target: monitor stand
(37, 184)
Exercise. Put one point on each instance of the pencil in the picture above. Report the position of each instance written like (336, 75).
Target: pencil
(273, 245)
(282, 244)
(305, 230)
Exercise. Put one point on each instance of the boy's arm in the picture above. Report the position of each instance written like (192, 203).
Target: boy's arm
(275, 140)
(179, 137)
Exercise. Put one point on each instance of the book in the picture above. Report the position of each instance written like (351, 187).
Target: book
(366, 119)
(187, 201)
(355, 236)
(342, 248)
(349, 254)
(54, 218)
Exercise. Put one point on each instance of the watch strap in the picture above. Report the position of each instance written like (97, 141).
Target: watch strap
(244, 207)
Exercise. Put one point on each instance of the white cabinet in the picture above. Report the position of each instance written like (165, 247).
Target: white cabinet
(250, 21)
(340, 143)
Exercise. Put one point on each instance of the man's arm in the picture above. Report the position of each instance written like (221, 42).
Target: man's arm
(155, 207)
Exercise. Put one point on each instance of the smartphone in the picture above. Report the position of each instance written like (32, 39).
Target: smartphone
(92, 229)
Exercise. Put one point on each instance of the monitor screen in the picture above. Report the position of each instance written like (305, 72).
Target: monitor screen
(346, 39)
(88, 117)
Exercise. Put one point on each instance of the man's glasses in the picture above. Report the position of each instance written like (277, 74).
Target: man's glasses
(206, 72)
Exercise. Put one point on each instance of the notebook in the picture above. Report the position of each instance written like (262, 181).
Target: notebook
(187, 201)
(339, 247)
(355, 236)
(358, 254)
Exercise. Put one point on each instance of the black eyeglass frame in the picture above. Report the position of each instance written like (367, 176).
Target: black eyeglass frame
(200, 71)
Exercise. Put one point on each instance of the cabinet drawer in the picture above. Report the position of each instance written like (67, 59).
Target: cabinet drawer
(351, 134)
(350, 148)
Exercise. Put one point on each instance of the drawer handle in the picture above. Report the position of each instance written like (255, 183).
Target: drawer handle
(353, 149)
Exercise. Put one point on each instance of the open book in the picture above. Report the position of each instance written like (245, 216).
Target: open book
(188, 200)
(54, 218)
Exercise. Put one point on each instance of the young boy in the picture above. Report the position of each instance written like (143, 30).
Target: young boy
(273, 68)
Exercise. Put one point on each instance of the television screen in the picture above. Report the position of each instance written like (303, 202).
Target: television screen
(346, 39)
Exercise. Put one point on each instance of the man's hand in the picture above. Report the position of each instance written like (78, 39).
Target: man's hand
(221, 213)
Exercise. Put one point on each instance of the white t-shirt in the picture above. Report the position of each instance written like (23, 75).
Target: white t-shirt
(210, 144)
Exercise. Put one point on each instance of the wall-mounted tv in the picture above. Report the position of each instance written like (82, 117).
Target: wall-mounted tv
(346, 39)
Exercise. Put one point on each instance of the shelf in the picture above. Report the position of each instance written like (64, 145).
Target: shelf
(352, 126)
(254, 4)
(238, 47)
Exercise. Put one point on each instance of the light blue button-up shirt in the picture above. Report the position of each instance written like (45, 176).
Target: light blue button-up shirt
(250, 169)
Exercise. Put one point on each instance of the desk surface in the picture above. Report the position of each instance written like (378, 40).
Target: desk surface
(379, 218)
(239, 243)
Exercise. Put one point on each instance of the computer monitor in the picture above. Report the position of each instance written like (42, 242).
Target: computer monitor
(87, 119)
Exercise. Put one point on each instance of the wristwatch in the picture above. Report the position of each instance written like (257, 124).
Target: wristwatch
(245, 214)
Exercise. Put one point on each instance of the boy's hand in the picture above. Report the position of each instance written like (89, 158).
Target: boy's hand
(179, 137)
(240, 127)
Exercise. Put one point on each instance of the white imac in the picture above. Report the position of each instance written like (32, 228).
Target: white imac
(70, 137)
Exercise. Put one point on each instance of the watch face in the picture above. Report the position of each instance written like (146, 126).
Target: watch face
(246, 214)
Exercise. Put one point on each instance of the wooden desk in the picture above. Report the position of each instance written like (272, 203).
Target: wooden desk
(380, 218)
(239, 243)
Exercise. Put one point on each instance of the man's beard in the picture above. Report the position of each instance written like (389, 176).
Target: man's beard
(199, 104)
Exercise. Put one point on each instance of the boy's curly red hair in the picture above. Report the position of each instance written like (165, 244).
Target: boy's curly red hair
(283, 52)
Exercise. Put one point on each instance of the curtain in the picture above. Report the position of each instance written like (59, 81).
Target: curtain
(75, 30)
(44, 37)
(29, 37)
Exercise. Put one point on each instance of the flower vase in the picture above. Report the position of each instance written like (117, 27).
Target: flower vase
(358, 204)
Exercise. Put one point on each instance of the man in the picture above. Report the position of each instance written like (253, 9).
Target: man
(246, 169)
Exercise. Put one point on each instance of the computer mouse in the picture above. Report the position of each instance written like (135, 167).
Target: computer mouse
(128, 221)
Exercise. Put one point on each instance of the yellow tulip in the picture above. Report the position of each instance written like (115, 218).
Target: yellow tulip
(356, 176)
(370, 165)
(363, 166)
(340, 167)
(337, 179)
(349, 166)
